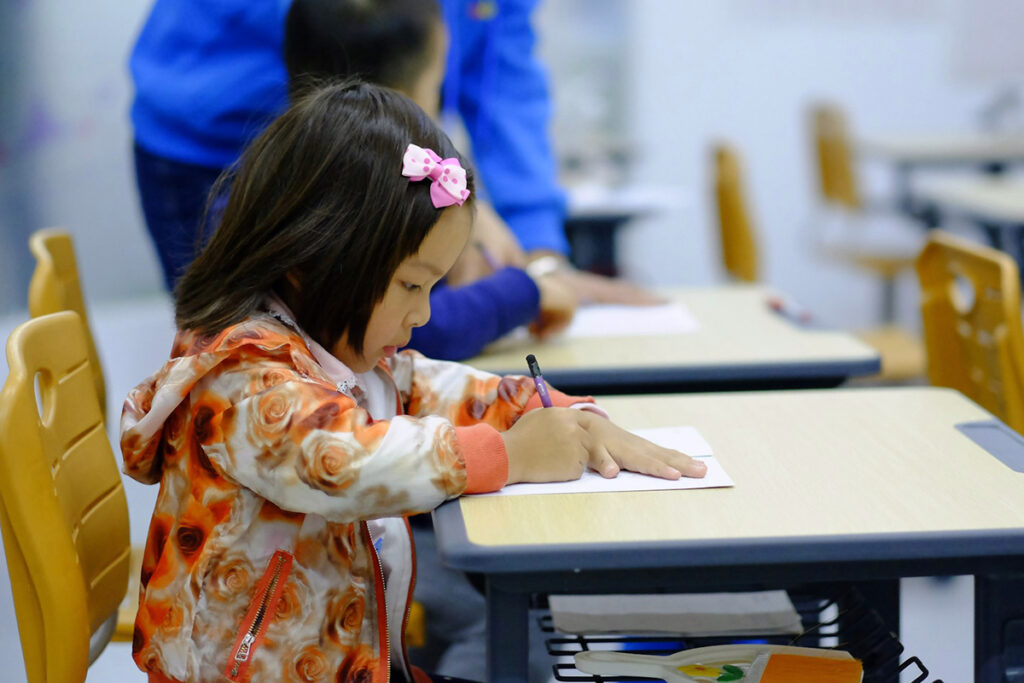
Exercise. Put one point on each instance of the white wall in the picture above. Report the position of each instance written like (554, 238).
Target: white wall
(745, 71)
(65, 144)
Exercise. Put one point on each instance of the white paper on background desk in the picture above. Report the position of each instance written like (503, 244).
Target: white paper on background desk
(685, 439)
(612, 320)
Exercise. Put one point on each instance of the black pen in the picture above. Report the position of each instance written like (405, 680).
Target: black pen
(538, 380)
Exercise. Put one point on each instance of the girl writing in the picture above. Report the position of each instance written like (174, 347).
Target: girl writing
(290, 439)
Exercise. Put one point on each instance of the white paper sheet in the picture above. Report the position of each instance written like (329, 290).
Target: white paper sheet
(609, 320)
(685, 439)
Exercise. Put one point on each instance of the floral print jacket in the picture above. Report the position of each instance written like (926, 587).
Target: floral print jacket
(278, 520)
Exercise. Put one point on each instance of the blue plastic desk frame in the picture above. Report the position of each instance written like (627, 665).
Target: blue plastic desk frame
(694, 378)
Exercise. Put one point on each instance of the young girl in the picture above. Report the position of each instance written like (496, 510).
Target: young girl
(403, 44)
(288, 436)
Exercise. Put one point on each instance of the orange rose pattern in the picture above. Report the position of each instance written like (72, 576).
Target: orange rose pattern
(256, 451)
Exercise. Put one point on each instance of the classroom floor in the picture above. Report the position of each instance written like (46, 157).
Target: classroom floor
(134, 337)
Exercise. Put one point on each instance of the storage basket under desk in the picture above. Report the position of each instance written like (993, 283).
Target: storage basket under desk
(853, 626)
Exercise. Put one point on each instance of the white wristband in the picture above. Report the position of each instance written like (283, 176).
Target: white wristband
(545, 265)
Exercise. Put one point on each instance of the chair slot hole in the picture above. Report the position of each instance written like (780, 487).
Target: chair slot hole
(964, 294)
(44, 394)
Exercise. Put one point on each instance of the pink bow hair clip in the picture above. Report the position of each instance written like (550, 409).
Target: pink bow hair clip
(447, 177)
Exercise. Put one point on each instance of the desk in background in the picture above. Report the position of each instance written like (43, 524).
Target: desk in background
(994, 204)
(989, 152)
(858, 485)
(742, 344)
(596, 213)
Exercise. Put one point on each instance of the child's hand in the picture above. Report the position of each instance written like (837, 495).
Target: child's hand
(613, 448)
(556, 444)
(557, 306)
(548, 444)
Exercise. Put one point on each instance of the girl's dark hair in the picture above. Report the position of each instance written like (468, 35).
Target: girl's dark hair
(320, 197)
(380, 41)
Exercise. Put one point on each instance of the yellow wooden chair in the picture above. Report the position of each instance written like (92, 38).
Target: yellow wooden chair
(736, 230)
(839, 190)
(972, 324)
(55, 286)
(838, 187)
(901, 352)
(64, 514)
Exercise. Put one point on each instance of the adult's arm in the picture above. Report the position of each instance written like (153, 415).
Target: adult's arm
(501, 92)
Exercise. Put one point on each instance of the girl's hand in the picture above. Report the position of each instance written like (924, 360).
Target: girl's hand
(557, 306)
(555, 444)
(548, 444)
(613, 448)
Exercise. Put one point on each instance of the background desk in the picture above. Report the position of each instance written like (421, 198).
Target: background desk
(597, 212)
(984, 150)
(742, 344)
(989, 152)
(994, 204)
(870, 484)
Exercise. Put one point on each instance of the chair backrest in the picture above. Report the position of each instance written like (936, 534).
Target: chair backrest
(972, 323)
(837, 178)
(55, 286)
(62, 504)
(739, 244)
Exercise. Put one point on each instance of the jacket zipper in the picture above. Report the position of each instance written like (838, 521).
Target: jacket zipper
(256, 619)
(382, 604)
(408, 597)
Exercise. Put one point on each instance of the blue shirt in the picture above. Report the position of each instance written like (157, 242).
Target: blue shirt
(209, 76)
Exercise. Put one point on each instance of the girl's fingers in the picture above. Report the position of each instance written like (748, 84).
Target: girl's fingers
(602, 462)
(690, 467)
(645, 464)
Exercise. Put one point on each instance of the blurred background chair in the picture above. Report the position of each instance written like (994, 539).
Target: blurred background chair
(886, 254)
(901, 352)
(864, 236)
(738, 241)
(55, 286)
(64, 514)
(971, 308)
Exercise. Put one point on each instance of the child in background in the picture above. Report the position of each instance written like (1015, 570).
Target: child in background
(288, 435)
(403, 44)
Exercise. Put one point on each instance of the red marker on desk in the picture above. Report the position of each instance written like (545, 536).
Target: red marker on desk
(538, 380)
(788, 309)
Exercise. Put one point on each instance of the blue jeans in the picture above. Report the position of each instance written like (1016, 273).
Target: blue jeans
(173, 196)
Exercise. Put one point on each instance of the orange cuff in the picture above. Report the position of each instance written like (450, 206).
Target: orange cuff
(558, 400)
(483, 449)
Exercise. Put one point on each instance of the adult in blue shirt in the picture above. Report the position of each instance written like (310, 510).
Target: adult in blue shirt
(209, 76)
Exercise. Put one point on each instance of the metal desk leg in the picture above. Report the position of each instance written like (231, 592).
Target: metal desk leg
(508, 643)
(999, 628)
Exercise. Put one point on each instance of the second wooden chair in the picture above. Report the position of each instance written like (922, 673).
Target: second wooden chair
(972, 324)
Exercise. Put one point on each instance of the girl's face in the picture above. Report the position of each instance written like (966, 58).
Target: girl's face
(406, 303)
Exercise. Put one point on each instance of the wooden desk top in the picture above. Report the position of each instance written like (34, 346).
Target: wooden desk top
(998, 199)
(740, 337)
(811, 467)
(938, 148)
